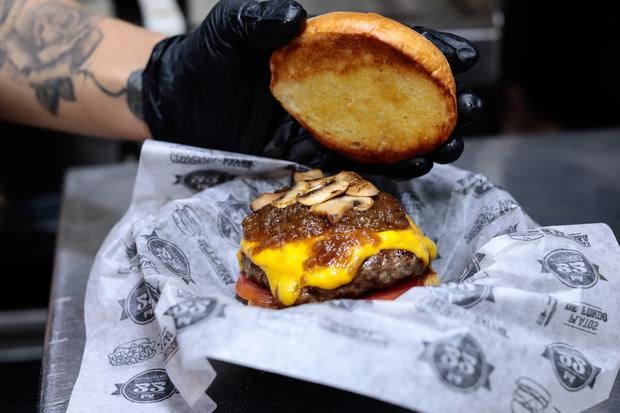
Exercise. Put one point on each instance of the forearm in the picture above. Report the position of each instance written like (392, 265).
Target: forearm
(64, 68)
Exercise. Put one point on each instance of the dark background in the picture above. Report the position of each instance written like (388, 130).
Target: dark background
(555, 73)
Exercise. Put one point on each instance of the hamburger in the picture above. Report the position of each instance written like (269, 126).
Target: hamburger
(375, 91)
(329, 237)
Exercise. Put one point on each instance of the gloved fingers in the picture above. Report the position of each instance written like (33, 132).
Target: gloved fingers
(469, 107)
(268, 25)
(294, 143)
(410, 168)
(407, 169)
(462, 54)
(449, 151)
(305, 149)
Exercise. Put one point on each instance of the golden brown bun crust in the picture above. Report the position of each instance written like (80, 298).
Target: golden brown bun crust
(367, 87)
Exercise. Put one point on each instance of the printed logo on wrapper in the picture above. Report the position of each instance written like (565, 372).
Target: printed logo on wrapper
(170, 256)
(489, 214)
(459, 362)
(584, 317)
(232, 212)
(187, 221)
(473, 267)
(190, 156)
(220, 269)
(139, 306)
(572, 369)
(529, 235)
(193, 156)
(572, 268)
(198, 181)
(347, 305)
(253, 188)
(133, 352)
(466, 295)
(547, 313)
(363, 335)
(579, 238)
(150, 386)
(137, 262)
(530, 397)
(510, 229)
(534, 234)
(168, 344)
(476, 184)
(440, 306)
(191, 311)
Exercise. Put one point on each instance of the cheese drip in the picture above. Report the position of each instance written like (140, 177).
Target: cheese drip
(284, 266)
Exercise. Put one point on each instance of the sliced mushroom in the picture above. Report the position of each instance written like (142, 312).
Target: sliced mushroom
(311, 188)
(290, 197)
(334, 209)
(317, 183)
(363, 203)
(362, 188)
(323, 193)
(348, 177)
(264, 200)
(308, 175)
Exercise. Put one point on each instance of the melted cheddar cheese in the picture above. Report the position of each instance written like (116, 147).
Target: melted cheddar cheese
(287, 274)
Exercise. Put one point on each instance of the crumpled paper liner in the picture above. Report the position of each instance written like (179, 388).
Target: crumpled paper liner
(523, 322)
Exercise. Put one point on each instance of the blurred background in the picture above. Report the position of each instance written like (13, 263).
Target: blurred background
(545, 66)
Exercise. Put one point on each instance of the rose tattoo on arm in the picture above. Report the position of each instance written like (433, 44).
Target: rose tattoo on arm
(55, 41)
(47, 47)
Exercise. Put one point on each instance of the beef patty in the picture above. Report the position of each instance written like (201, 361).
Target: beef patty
(379, 271)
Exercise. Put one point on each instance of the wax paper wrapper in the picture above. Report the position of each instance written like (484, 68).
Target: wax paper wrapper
(524, 320)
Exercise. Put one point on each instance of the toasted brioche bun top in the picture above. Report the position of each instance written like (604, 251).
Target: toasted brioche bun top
(367, 87)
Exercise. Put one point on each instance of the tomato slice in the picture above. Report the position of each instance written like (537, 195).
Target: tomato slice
(253, 293)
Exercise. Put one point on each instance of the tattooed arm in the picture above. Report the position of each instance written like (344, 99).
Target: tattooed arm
(64, 68)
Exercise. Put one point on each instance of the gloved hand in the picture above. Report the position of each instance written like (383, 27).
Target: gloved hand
(210, 88)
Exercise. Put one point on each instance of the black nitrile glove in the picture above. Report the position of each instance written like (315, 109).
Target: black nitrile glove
(210, 88)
